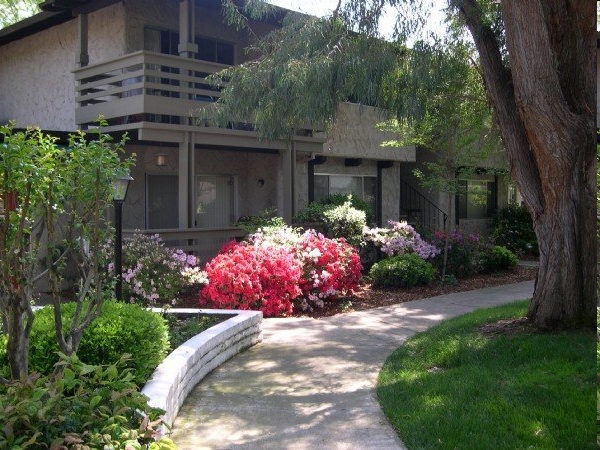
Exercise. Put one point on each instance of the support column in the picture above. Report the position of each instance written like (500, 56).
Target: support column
(83, 59)
(286, 202)
(187, 29)
(184, 182)
(379, 200)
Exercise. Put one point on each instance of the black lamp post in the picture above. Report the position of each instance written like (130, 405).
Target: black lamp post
(120, 186)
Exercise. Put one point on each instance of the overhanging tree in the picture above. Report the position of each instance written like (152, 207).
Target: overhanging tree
(12, 11)
(537, 62)
(439, 89)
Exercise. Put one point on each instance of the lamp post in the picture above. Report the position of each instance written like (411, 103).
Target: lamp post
(120, 186)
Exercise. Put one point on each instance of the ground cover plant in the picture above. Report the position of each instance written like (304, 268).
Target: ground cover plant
(80, 406)
(488, 381)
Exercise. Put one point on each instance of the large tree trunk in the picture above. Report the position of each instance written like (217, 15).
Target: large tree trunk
(545, 105)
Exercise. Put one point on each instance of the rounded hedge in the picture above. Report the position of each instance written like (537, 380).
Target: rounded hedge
(121, 328)
(497, 258)
(401, 271)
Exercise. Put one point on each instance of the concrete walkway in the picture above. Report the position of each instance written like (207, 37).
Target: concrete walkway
(311, 383)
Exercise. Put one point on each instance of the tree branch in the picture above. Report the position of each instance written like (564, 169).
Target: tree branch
(498, 82)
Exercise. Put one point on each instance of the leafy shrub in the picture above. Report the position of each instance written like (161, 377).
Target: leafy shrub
(246, 277)
(513, 228)
(345, 221)
(497, 258)
(121, 328)
(83, 406)
(153, 273)
(267, 218)
(401, 271)
(463, 252)
(315, 210)
(399, 238)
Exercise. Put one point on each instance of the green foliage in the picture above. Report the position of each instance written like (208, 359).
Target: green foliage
(60, 196)
(182, 329)
(267, 218)
(121, 328)
(338, 216)
(81, 406)
(497, 258)
(346, 222)
(12, 11)
(305, 60)
(524, 389)
(513, 228)
(401, 271)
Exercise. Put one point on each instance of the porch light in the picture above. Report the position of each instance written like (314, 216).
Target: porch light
(120, 186)
(161, 160)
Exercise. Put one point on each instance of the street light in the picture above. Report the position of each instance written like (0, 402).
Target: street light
(120, 186)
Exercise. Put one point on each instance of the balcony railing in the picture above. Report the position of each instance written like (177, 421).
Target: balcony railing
(147, 87)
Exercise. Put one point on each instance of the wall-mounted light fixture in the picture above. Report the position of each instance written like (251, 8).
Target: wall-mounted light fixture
(161, 160)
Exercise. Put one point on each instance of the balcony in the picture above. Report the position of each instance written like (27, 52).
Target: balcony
(161, 96)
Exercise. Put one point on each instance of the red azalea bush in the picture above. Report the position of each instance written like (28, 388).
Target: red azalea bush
(331, 269)
(251, 277)
(279, 266)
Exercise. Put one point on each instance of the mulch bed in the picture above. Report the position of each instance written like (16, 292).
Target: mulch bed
(368, 297)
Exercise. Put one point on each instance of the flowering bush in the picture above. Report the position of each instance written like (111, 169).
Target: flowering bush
(256, 277)
(155, 274)
(400, 238)
(278, 265)
(331, 269)
(463, 252)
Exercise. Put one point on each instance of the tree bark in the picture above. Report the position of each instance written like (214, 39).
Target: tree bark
(548, 128)
(19, 320)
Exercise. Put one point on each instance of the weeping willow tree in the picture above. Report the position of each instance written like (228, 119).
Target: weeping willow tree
(12, 11)
(447, 113)
(537, 65)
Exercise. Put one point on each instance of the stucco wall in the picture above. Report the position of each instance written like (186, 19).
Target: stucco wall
(36, 83)
(354, 135)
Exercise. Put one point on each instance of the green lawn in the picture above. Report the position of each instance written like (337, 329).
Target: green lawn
(452, 387)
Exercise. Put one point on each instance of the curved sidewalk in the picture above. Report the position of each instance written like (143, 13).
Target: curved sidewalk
(311, 383)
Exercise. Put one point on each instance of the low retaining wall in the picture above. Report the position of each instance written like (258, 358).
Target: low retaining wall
(189, 363)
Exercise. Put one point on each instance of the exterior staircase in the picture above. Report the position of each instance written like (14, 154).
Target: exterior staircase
(418, 210)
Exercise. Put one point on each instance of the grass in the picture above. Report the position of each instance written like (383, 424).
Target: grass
(452, 387)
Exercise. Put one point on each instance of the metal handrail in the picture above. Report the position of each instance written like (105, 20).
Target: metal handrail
(419, 209)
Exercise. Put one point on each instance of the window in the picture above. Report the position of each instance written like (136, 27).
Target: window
(162, 207)
(215, 201)
(477, 199)
(209, 49)
(215, 51)
(364, 187)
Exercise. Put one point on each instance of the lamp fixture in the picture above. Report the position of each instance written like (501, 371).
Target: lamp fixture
(120, 185)
(161, 160)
